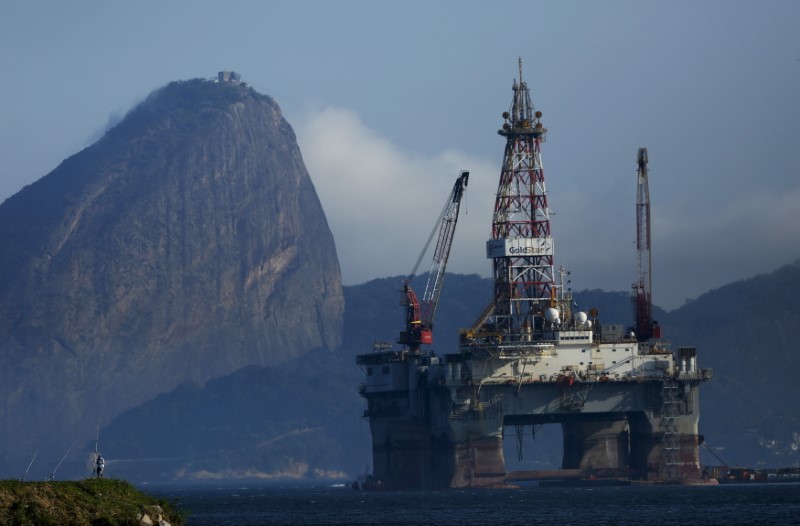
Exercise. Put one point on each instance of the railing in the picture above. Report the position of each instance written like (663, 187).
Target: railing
(702, 374)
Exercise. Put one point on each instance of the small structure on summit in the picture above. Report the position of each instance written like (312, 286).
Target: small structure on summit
(229, 76)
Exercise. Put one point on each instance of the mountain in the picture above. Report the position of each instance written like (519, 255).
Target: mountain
(743, 331)
(298, 420)
(185, 244)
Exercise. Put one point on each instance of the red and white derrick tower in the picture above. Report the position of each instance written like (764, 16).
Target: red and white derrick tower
(521, 246)
(646, 328)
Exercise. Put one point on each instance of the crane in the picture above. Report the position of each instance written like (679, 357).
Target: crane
(420, 314)
(646, 328)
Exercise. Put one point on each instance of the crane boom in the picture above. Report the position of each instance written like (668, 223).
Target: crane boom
(646, 328)
(433, 289)
(419, 315)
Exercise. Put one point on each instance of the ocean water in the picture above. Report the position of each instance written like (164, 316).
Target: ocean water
(625, 505)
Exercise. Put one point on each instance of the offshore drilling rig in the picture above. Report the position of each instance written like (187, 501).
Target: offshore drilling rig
(627, 405)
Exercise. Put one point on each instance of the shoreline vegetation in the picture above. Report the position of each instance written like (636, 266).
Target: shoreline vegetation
(93, 502)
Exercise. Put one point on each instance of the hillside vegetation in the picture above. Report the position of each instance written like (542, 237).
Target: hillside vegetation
(95, 502)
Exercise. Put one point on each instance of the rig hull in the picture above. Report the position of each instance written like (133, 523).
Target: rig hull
(438, 422)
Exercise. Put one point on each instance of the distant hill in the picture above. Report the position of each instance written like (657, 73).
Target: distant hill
(749, 408)
(185, 244)
(744, 332)
(299, 420)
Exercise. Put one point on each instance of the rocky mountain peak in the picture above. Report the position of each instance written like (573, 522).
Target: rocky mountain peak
(186, 243)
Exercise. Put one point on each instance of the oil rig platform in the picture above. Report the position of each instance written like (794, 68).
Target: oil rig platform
(628, 406)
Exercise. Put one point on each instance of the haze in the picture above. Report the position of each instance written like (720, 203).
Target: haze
(390, 100)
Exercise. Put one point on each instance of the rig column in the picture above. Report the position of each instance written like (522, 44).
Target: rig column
(595, 445)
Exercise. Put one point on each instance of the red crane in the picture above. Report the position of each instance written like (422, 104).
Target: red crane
(419, 315)
(646, 327)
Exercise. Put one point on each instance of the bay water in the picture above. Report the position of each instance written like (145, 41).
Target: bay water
(256, 505)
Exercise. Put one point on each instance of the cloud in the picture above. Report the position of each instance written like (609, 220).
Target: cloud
(382, 201)
(703, 247)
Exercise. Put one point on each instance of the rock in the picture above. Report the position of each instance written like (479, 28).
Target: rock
(185, 244)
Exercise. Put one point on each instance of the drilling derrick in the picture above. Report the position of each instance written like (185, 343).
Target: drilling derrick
(521, 246)
(646, 328)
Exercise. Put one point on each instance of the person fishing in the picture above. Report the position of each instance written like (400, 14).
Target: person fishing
(99, 466)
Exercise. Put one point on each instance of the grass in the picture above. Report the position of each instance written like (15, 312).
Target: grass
(92, 502)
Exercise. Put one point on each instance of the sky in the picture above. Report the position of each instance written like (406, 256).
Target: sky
(391, 100)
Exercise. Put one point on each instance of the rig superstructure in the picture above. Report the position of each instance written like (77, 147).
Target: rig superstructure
(628, 406)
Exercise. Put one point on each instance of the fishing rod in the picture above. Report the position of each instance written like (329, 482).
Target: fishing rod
(93, 468)
(53, 474)
(29, 466)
